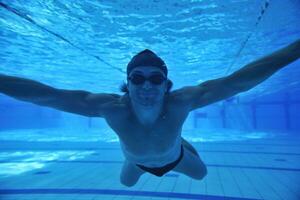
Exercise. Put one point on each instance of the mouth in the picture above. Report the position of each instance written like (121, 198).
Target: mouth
(147, 94)
(147, 97)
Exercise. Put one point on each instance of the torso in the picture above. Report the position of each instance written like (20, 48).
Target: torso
(152, 146)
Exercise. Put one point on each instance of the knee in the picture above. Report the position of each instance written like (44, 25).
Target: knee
(127, 182)
(201, 174)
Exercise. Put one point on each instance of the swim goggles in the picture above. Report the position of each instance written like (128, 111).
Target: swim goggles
(139, 79)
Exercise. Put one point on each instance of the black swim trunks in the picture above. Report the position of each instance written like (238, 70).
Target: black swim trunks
(160, 171)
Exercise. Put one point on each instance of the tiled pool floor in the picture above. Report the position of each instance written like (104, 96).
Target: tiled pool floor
(256, 169)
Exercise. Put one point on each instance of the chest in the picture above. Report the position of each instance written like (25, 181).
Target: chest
(159, 136)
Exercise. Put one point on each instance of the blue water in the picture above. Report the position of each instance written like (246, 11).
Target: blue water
(86, 45)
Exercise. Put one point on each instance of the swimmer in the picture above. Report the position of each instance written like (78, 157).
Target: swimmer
(148, 117)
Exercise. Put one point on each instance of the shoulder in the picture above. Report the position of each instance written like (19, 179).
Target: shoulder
(187, 95)
(119, 104)
(105, 104)
(102, 97)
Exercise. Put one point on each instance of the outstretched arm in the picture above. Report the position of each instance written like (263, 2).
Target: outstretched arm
(261, 69)
(242, 80)
(74, 101)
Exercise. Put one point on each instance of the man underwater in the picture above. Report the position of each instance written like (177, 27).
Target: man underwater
(148, 118)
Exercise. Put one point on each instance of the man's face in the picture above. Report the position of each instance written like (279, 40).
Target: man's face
(145, 92)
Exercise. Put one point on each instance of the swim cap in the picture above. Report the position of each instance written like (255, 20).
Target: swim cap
(146, 58)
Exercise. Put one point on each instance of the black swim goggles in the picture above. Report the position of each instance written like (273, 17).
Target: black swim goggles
(139, 79)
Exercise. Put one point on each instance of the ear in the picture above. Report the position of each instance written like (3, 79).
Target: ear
(166, 86)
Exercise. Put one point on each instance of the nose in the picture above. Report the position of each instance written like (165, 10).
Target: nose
(147, 85)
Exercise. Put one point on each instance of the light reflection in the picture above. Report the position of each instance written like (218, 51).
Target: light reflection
(21, 162)
(8, 169)
(224, 136)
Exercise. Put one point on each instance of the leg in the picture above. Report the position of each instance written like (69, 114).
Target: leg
(130, 174)
(189, 146)
(191, 163)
